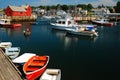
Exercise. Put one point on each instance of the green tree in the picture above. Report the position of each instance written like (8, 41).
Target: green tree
(117, 7)
(64, 7)
(89, 7)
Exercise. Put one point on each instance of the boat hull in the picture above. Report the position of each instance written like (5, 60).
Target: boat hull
(103, 24)
(4, 45)
(22, 59)
(35, 75)
(10, 25)
(83, 33)
(62, 28)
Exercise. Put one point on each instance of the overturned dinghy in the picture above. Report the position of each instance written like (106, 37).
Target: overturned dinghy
(51, 74)
(5, 45)
(23, 58)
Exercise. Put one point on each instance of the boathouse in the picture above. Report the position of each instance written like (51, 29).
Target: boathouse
(24, 10)
(20, 13)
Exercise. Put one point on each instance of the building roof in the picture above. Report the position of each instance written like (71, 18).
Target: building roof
(19, 8)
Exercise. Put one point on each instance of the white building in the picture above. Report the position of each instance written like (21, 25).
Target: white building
(101, 11)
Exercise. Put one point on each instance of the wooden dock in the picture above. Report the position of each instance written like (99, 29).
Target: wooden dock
(85, 18)
(8, 71)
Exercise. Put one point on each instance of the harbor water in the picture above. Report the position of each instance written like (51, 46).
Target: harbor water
(78, 57)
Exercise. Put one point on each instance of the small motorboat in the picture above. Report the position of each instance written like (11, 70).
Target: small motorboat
(7, 23)
(35, 66)
(83, 31)
(103, 22)
(51, 74)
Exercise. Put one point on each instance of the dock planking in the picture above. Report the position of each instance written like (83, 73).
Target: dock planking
(8, 71)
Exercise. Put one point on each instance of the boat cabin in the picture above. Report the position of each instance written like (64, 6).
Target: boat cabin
(64, 22)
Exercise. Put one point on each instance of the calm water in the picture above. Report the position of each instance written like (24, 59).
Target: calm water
(79, 58)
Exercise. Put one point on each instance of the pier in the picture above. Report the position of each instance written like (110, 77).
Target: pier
(8, 71)
(85, 18)
(20, 18)
(114, 16)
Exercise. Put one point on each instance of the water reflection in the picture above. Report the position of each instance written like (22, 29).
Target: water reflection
(78, 37)
(25, 30)
(62, 37)
(69, 40)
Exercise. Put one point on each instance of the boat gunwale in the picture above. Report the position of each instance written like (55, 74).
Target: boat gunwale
(27, 73)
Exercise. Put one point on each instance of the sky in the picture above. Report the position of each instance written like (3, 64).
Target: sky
(95, 3)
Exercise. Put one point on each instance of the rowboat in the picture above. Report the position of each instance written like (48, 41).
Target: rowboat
(23, 58)
(12, 52)
(35, 66)
(51, 74)
(20, 60)
(5, 44)
(27, 32)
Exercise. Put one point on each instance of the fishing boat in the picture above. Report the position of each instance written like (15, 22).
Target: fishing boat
(63, 24)
(5, 44)
(35, 66)
(12, 52)
(7, 24)
(103, 22)
(83, 31)
(51, 74)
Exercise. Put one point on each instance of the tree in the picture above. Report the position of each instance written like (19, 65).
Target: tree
(64, 7)
(89, 7)
(117, 7)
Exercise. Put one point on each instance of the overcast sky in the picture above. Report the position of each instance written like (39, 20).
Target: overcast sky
(5, 3)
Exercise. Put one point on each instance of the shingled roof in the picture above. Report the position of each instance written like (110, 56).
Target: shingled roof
(19, 8)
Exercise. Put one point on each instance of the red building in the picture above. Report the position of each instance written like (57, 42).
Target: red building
(24, 10)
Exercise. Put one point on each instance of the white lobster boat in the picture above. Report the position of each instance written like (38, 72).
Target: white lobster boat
(83, 31)
(63, 24)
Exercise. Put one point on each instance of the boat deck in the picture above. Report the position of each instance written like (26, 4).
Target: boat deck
(8, 70)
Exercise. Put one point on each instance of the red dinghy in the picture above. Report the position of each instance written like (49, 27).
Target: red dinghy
(35, 66)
